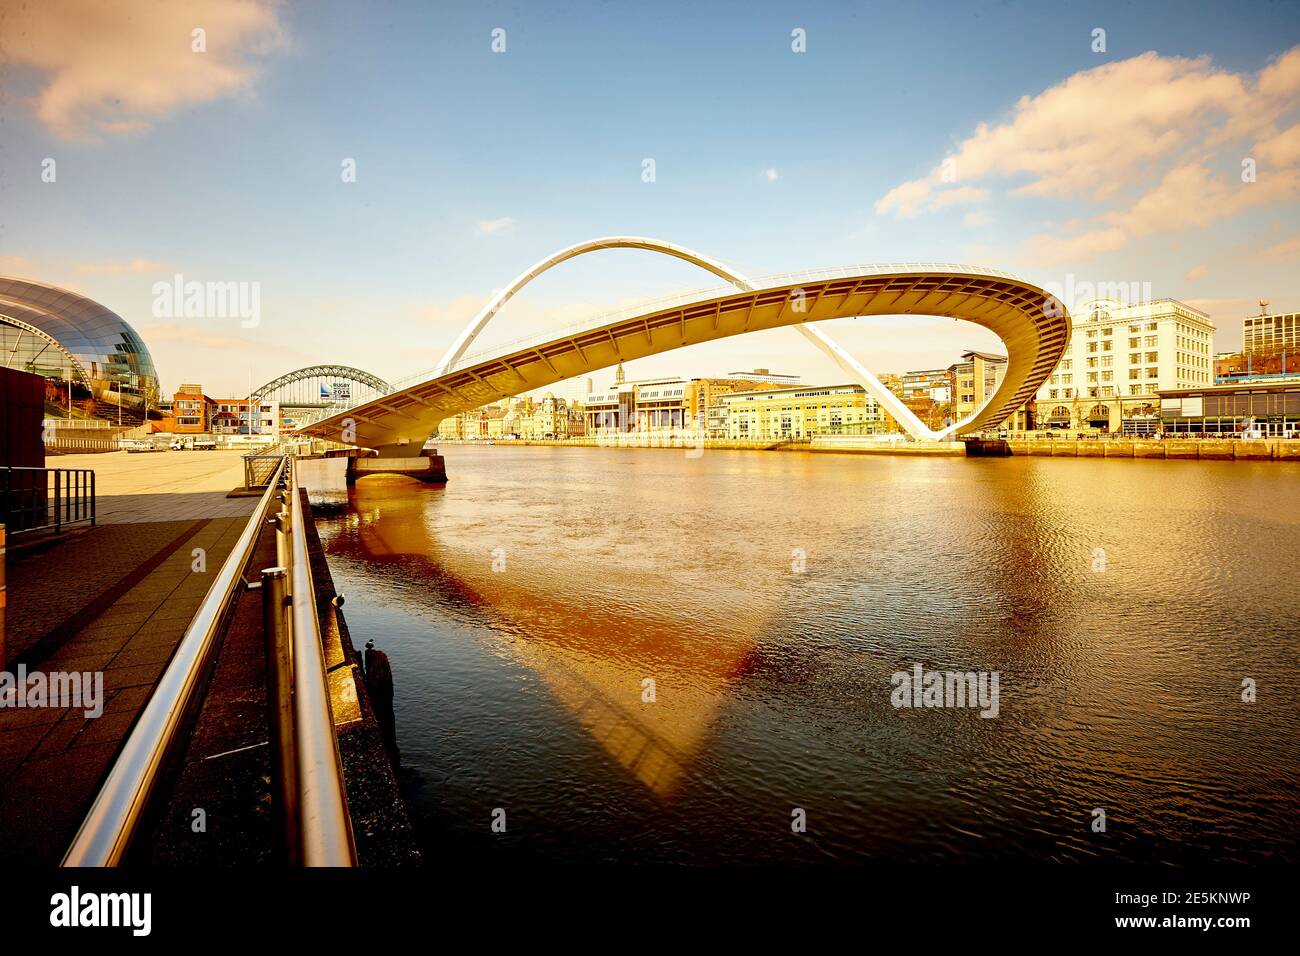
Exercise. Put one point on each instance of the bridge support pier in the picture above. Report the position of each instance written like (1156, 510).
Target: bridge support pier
(987, 447)
(429, 468)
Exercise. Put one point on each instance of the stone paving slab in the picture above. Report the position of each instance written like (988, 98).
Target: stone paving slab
(60, 581)
(165, 485)
(52, 760)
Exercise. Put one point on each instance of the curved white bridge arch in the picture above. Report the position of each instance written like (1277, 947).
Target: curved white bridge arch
(1033, 325)
(874, 387)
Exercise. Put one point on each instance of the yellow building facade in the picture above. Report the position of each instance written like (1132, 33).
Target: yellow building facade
(777, 414)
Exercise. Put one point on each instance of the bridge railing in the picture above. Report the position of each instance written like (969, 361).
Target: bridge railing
(312, 802)
(687, 297)
(298, 704)
(261, 468)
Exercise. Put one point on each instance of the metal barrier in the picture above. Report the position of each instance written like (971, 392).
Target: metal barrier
(309, 797)
(310, 803)
(36, 498)
(259, 467)
(4, 595)
(78, 423)
(114, 817)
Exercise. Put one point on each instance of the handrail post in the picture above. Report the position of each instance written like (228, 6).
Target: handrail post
(285, 810)
(284, 543)
(58, 496)
(3, 596)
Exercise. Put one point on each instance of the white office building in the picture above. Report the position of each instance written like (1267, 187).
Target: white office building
(1120, 358)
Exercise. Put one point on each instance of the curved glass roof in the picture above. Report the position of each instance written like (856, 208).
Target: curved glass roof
(111, 355)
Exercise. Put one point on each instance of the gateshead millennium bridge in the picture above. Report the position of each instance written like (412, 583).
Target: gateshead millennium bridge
(1033, 325)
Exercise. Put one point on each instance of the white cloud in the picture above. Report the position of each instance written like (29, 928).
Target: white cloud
(196, 335)
(771, 175)
(1104, 135)
(118, 268)
(110, 69)
(11, 265)
(1197, 272)
(489, 227)
(1287, 251)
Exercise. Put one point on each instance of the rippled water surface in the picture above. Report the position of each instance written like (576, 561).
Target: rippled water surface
(525, 604)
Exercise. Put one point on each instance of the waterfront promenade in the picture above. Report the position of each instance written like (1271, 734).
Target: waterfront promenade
(1205, 449)
(114, 598)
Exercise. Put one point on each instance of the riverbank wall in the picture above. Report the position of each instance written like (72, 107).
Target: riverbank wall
(1276, 449)
(851, 444)
(1273, 449)
(648, 441)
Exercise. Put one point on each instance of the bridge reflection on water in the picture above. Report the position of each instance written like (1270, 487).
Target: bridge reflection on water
(636, 676)
(522, 687)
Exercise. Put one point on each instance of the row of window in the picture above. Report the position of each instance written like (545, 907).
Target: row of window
(1105, 391)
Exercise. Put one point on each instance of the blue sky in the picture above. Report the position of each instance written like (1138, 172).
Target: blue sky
(472, 164)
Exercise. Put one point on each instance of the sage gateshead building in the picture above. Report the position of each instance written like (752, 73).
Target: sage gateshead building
(93, 362)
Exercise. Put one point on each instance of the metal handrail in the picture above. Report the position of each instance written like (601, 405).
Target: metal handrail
(251, 478)
(108, 829)
(89, 424)
(325, 825)
(33, 505)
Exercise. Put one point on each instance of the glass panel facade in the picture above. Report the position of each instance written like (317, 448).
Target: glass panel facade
(75, 338)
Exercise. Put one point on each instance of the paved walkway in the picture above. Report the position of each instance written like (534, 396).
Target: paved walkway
(114, 599)
(163, 486)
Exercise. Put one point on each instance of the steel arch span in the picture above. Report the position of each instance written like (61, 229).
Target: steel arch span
(874, 387)
(1033, 325)
(332, 373)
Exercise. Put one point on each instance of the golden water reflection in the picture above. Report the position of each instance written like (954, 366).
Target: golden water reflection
(599, 663)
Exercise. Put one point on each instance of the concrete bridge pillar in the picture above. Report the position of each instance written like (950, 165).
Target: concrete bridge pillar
(428, 467)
